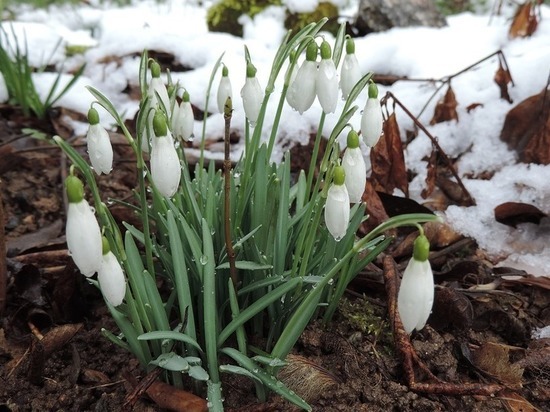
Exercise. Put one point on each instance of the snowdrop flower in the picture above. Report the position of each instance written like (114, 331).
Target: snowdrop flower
(301, 93)
(224, 89)
(110, 276)
(326, 82)
(290, 76)
(350, 73)
(99, 145)
(165, 163)
(157, 89)
(337, 205)
(183, 119)
(355, 168)
(252, 95)
(82, 231)
(371, 120)
(416, 294)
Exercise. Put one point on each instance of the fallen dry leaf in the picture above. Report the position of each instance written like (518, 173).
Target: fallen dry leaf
(494, 359)
(502, 78)
(445, 109)
(525, 21)
(514, 213)
(526, 128)
(375, 209)
(177, 400)
(516, 403)
(431, 176)
(388, 161)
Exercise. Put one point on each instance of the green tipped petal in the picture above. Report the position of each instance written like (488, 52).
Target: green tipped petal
(373, 91)
(311, 51)
(159, 124)
(155, 69)
(350, 46)
(105, 246)
(93, 116)
(250, 70)
(326, 52)
(353, 140)
(339, 176)
(75, 189)
(421, 249)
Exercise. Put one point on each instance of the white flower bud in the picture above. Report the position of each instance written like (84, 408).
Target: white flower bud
(224, 89)
(99, 149)
(252, 95)
(165, 162)
(83, 237)
(356, 173)
(337, 206)
(183, 121)
(165, 165)
(349, 75)
(416, 293)
(326, 82)
(111, 279)
(371, 120)
(302, 90)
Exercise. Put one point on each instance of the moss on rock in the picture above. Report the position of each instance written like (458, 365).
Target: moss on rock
(223, 16)
(297, 21)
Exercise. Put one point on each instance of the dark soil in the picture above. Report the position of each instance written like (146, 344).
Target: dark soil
(53, 356)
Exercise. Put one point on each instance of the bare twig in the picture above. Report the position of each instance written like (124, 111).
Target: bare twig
(447, 79)
(227, 113)
(470, 200)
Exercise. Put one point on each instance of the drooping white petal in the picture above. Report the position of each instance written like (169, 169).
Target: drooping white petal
(356, 173)
(252, 95)
(416, 295)
(165, 166)
(111, 279)
(327, 85)
(224, 91)
(350, 74)
(371, 122)
(157, 88)
(99, 149)
(83, 237)
(301, 93)
(187, 121)
(289, 96)
(337, 211)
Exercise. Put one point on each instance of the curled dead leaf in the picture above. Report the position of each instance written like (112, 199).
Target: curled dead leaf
(174, 399)
(445, 109)
(388, 161)
(494, 360)
(526, 128)
(514, 213)
(525, 21)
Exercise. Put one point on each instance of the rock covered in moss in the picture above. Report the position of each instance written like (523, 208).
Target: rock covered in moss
(224, 15)
(297, 21)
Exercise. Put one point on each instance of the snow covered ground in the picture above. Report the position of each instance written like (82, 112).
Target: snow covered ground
(179, 27)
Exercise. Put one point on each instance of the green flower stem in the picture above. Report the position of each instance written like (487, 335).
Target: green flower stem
(315, 154)
(276, 121)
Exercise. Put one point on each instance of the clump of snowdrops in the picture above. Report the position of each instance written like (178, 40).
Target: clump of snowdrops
(251, 250)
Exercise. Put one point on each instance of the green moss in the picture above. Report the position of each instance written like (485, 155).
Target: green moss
(223, 16)
(361, 316)
(297, 21)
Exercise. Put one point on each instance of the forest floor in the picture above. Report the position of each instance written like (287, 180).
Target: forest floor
(53, 355)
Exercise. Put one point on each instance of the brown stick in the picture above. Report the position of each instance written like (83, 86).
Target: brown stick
(227, 113)
(469, 198)
(409, 356)
(3, 264)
